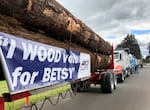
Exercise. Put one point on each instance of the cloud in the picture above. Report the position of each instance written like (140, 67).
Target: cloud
(111, 37)
(143, 41)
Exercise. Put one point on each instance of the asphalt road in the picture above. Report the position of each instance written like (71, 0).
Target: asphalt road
(133, 94)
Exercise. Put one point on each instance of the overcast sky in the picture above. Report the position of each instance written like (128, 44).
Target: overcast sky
(114, 19)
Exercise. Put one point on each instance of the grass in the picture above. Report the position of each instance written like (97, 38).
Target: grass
(32, 99)
(3, 87)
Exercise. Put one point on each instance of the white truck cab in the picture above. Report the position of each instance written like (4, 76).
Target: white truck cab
(121, 64)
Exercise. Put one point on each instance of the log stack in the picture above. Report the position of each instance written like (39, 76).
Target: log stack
(50, 23)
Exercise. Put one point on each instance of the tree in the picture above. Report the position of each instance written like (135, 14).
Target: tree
(131, 43)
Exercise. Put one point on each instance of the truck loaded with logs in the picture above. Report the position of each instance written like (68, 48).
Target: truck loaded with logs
(47, 22)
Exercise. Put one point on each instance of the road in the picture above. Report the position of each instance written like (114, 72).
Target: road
(133, 94)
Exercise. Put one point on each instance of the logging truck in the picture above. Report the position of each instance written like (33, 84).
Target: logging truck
(104, 77)
(56, 27)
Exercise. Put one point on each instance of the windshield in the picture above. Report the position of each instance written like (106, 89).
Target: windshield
(116, 56)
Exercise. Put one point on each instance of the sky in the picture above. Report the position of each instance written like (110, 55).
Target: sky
(114, 19)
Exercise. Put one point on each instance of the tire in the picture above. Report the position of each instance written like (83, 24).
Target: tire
(103, 83)
(128, 72)
(87, 86)
(121, 78)
(107, 83)
(75, 87)
(132, 71)
(80, 86)
(115, 81)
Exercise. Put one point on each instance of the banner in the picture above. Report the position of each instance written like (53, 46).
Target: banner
(30, 65)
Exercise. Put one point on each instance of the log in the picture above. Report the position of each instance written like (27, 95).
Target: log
(13, 27)
(53, 18)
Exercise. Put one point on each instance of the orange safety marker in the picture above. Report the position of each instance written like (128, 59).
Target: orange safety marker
(27, 101)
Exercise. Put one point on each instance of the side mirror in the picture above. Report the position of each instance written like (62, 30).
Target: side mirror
(120, 57)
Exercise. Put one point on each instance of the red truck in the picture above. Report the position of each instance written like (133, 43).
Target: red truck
(105, 77)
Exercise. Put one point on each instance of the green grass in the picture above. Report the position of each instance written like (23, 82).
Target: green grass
(32, 99)
(3, 87)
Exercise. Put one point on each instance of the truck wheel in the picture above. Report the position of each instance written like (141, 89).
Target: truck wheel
(128, 72)
(132, 71)
(107, 84)
(121, 78)
(75, 87)
(115, 81)
(80, 86)
(103, 83)
(87, 85)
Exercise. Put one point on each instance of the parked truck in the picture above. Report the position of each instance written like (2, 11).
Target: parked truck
(61, 29)
(133, 62)
(122, 66)
(104, 77)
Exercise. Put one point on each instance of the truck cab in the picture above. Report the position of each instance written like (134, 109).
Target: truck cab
(121, 64)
